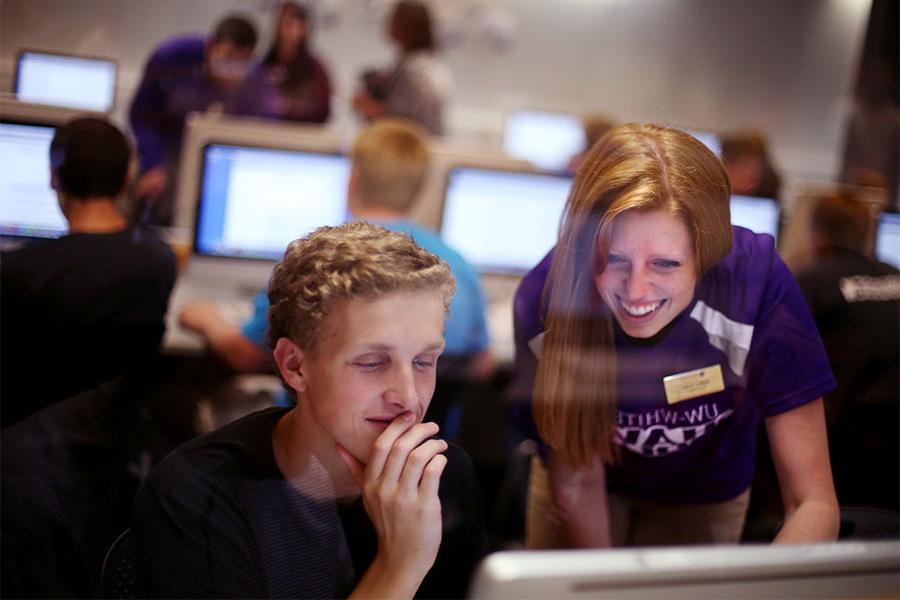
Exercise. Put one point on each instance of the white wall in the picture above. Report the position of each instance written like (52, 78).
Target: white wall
(785, 67)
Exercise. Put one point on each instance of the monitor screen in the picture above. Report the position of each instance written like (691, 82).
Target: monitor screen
(709, 139)
(887, 239)
(502, 221)
(61, 80)
(760, 215)
(547, 140)
(28, 205)
(254, 201)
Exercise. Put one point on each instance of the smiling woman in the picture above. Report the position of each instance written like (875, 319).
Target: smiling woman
(655, 338)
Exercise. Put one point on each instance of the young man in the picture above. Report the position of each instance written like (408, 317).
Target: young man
(99, 293)
(183, 74)
(347, 492)
(390, 159)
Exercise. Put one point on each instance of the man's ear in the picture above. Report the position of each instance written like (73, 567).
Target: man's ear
(290, 360)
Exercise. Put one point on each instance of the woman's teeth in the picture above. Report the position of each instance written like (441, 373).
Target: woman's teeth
(639, 310)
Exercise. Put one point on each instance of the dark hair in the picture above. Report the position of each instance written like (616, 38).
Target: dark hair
(411, 23)
(843, 220)
(90, 158)
(301, 67)
(235, 29)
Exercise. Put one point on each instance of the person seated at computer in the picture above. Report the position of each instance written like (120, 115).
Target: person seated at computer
(655, 338)
(389, 163)
(81, 309)
(184, 74)
(290, 82)
(419, 83)
(347, 492)
(749, 165)
(855, 302)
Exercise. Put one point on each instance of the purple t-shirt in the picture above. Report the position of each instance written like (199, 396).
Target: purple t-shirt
(747, 318)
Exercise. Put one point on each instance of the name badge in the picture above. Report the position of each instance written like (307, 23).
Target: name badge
(692, 384)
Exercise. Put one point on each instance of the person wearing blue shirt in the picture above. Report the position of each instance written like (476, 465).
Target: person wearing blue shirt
(389, 162)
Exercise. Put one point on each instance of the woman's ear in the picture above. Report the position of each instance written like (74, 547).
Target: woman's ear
(289, 358)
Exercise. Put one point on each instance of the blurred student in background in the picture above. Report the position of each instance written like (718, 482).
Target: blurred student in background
(855, 302)
(290, 82)
(749, 166)
(418, 84)
(390, 160)
(184, 74)
(81, 309)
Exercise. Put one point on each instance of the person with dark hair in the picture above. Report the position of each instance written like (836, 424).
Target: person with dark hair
(418, 84)
(749, 166)
(182, 75)
(347, 492)
(290, 82)
(655, 340)
(855, 302)
(89, 304)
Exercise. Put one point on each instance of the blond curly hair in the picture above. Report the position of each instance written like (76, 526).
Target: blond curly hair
(353, 260)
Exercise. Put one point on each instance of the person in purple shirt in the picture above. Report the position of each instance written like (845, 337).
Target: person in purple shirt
(184, 74)
(655, 339)
(290, 82)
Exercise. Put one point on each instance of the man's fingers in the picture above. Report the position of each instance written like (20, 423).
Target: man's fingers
(416, 462)
(431, 476)
(402, 447)
(385, 442)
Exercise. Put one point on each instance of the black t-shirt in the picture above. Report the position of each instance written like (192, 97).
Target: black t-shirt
(855, 302)
(217, 519)
(77, 311)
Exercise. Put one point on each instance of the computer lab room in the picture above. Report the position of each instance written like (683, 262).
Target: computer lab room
(449, 299)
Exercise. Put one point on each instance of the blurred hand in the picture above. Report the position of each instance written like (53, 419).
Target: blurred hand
(367, 106)
(151, 184)
(200, 316)
(400, 493)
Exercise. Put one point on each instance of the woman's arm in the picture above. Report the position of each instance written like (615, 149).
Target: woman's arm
(800, 452)
(577, 504)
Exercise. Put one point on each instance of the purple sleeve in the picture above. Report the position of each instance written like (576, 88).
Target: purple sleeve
(527, 323)
(148, 115)
(788, 365)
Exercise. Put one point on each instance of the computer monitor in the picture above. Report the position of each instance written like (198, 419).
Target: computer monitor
(66, 80)
(759, 215)
(832, 570)
(502, 220)
(28, 205)
(887, 239)
(254, 201)
(546, 139)
(710, 140)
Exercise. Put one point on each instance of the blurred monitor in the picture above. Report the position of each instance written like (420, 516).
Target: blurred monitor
(759, 215)
(28, 205)
(65, 80)
(709, 139)
(827, 570)
(254, 201)
(547, 140)
(887, 239)
(502, 220)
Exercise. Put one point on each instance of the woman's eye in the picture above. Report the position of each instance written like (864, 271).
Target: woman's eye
(615, 259)
(667, 264)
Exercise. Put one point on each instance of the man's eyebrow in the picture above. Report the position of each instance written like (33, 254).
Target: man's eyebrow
(378, 347)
